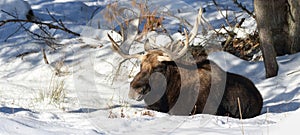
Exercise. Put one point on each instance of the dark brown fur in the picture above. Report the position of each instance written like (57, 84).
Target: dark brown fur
(236, 86)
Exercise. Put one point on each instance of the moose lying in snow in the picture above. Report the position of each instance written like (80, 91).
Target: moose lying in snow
(169, 84)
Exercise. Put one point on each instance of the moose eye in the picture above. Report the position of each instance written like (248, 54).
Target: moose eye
(157, 69)
(142, 89)
(138, 86)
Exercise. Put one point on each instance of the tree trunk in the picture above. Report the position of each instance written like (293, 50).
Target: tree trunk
(269, 54)
(272, 27)
(294, 25)
(271, 15)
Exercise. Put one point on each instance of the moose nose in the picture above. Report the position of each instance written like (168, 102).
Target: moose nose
(133, 94)
(158, 85)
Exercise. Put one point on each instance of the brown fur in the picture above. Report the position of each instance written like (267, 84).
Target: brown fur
(236, 86)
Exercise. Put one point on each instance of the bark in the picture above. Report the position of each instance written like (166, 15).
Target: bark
(269, 54)
(294, 25)
(271, 24)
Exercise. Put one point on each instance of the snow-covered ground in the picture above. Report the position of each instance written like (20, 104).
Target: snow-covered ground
(94, 98)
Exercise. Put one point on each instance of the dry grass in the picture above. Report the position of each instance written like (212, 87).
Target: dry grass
(57, 90)
(60, 69)
(123, 15)
(55, 93)
(241, 116)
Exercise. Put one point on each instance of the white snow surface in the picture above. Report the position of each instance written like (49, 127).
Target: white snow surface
(16, 8)
(96, 100)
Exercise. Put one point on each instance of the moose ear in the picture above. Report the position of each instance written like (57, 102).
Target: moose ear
(163, 58)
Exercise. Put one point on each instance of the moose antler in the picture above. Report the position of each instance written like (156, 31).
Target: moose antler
(172, 55)
(176, 54)
(116, 47)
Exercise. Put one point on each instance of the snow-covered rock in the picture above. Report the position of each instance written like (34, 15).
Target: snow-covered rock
(15, 9)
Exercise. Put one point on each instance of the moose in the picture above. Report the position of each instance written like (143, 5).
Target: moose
(168, 83)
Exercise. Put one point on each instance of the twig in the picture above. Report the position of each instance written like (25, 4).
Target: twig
(230, 37)
(243, 8)
(49, 25)
(238, 25)
(45, 56)
(267, 121)
(118, 70)
(52, 17)
(35, 34)
(241, 116)
(94, 12)
(22, 55)
(195, 109)
(9, 14)
(231, 34)
(10, 35)
(225, 17)
(59, 22)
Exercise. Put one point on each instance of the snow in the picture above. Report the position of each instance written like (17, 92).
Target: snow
(17, 8)
(95, 97)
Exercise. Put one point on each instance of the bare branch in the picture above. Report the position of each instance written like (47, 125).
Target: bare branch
(224, 16)
(22, 55)
(241, 6)
(9, 14)
(238, 25)
(45, 56)
(49, 25)
(18, 29)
